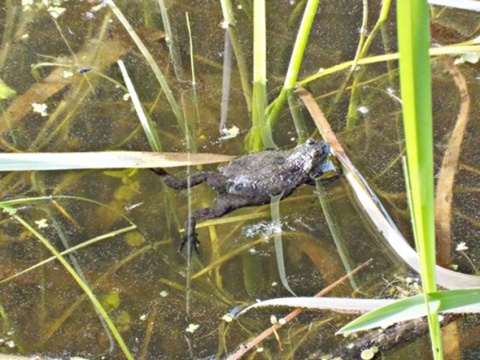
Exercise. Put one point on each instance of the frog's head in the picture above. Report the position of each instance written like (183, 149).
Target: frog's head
(309, 158)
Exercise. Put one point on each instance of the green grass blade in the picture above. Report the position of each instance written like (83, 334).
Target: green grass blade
(414, 307)
(71, 250)
(296, 59)
(282, 273)
(457, 49)
(98, 306)
(415, 81)
(145, 121)
(243, 68)
(171, 41)
(260, 135)
(156, 70)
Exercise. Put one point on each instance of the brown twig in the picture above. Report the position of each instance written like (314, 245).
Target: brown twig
(250, 345)
(321, 122)
(446, 175)
(395, 336)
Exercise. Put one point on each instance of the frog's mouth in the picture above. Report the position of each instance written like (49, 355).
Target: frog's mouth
(326, 170)
(322, 152)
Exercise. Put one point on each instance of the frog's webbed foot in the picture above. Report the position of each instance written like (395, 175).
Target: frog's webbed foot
(190, 238)
(225, 205)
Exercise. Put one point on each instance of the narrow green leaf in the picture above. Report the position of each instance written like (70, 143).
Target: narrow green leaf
(414, 307)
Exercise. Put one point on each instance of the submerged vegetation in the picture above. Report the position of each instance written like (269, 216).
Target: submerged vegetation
(89, 252)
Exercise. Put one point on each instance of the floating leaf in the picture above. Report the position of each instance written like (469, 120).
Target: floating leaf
(6, 91)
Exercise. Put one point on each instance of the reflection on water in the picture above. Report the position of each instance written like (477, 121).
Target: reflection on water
(132, 220)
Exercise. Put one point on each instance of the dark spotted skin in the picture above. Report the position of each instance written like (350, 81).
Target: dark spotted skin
(252, 180)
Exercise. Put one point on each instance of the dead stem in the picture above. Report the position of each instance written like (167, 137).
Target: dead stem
(446, 176)
(246, 348)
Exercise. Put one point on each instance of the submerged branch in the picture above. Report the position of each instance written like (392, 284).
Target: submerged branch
(446, 175)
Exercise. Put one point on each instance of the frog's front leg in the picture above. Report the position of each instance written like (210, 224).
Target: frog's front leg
(191, 180)
(225, 205)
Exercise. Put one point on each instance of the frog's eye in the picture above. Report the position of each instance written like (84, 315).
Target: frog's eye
(325, 148)
(239, 187)
(310, 142)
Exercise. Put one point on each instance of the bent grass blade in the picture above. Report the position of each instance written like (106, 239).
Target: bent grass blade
(95, 302)
(103, 160)
(372, 207)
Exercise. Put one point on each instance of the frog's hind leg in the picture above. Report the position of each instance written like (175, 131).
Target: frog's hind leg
(225, 205)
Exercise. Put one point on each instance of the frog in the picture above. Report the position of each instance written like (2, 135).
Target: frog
(252, 180)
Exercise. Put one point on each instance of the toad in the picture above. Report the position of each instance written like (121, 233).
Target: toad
(252, 180)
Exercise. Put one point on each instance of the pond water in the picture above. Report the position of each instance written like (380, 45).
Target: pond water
(163, 304)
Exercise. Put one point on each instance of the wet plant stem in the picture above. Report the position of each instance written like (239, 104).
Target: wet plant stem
(170, 39)
(145, 120)
(295, 61)
(363, 50)
(226, 79)
(358, 54)
(260, 135)
(155, 69)
(243, 69)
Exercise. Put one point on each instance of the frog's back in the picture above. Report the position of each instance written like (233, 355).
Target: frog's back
(259, 175)
(255, 164)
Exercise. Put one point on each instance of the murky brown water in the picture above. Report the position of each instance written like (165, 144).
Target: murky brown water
(137, 274)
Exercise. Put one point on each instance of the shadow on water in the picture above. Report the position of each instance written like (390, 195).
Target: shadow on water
(136, 271)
